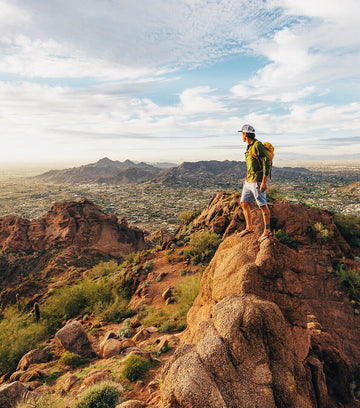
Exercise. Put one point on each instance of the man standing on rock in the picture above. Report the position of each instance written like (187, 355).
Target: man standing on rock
(258, 169)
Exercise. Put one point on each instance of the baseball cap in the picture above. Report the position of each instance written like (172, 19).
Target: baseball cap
(247, 129)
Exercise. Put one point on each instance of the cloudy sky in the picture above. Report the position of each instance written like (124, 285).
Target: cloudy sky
(173, 80)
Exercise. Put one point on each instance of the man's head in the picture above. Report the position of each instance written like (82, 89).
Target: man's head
(248, 132)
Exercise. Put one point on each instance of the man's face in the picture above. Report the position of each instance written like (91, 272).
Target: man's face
(244, 137)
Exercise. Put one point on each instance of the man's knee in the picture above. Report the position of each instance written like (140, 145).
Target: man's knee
(245, 205)
(265, 209)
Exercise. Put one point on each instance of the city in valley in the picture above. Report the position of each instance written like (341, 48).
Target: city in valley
(156, 203)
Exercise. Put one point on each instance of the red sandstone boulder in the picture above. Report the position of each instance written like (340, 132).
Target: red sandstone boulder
(33, 357)
(10, 393)
(74, 338)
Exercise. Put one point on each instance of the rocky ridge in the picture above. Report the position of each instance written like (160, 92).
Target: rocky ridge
(272, 326)
(71, 233)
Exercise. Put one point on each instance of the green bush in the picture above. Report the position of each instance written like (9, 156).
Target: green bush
(135, 367)
(273, 193)
(186, 216)
(103, 395)
(125, 331)
(106, 296)
(284, 238)
(71, 359)
(324, 233)
(351, 280)
(116, 311)
(18, 335)
(349, 226)
(169, 257)
(203, 246)
(148, 266)
(105, 268)
(132, 259)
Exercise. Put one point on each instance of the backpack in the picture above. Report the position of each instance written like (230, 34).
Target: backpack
(270, 152)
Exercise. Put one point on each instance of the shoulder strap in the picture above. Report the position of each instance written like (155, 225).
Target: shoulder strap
(254, 154)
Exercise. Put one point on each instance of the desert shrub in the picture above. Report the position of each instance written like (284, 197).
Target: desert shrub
(349, 226)
(103, 395)
(351, 280)
(135, 367)
(116, 311)
(203, 246)
(18, 335)
(273, 193)
(132, 258)
(105, 268)
(106, 296)
(49, 400)
(148, 266)
(324, 233)
(169, 257)
(173, 316)
(186, 216)
(125, 331)
(285, 238)
(71, 359)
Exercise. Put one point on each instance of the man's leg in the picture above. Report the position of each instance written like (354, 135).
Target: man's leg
(247, 213)
(266, 216)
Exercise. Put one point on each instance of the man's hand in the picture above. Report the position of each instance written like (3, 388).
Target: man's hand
(263, 186)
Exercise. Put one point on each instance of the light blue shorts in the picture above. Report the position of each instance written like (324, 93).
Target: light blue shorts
(251, 192)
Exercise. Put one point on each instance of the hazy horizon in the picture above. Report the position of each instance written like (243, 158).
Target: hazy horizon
(31, 169)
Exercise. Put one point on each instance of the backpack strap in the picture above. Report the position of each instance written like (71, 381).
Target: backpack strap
(255, 155)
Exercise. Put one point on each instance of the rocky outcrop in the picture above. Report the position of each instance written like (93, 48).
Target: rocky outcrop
(79, 225)
(74, 338)
(70, 235)
(272, 326)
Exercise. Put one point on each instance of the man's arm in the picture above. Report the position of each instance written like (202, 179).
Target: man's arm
(263, 185)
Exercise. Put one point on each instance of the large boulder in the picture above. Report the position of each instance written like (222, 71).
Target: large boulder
(36, 356)
(11, 393)
(114, 347)
(74, 338)
(242, 358)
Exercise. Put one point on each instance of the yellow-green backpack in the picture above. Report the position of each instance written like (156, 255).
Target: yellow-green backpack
(270, 152)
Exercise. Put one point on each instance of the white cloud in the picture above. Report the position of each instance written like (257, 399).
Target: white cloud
(11, 15)
(198, 100)
(129, 36)
(306, 54)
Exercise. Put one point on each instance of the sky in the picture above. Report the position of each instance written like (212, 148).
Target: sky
(174, 80)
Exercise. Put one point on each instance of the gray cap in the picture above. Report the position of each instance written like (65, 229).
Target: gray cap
(247, 129)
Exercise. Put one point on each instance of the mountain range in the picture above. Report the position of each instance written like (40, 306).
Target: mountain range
(206, 173)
